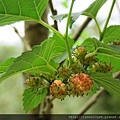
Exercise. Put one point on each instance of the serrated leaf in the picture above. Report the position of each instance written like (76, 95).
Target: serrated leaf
(5, 65)
(32, 98)
(103, 51)
(17, 10)
(39, 59)
(109, 84)
(93, 9)
(111, 33)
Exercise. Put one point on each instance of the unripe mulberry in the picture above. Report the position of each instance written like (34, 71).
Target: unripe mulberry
(116, 42)
(58, 89)
(64, 72)
(33, 82)
(101, 67)
(80, 53)
(80, 84)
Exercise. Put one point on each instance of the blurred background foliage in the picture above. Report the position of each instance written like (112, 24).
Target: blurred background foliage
(11, 90)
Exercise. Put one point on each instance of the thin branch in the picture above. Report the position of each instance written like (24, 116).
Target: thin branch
(54, 12)
(80, 30)
(26, 45)
(91, 102)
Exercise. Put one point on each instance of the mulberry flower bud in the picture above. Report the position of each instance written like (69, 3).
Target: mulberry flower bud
(80, 53)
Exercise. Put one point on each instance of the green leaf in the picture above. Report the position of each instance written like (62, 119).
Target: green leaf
(93, 9)
(89, 44)
(115, 47)
(91, 12)
(17, 10)
(110, 56)
(104, 52)
(112, 33)
(32, 98)
(109, 84)
(5, 65)
(40, 59)
(59, 17)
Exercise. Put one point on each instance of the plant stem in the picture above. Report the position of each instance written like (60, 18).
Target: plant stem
(98, 26)
(90, 54)
(66, 33)
(108, 18)
(51, 28)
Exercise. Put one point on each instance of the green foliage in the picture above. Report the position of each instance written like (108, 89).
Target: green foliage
(93, 9)
(33, 97)
(39, 59)
(5, 65)
(18, 10)
(44, 60)
(111, 34)
(91, 12)
(103, 52)
(110, 84)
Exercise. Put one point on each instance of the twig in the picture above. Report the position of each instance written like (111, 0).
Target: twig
(26, 45)
(80, 30)
(91, 101)
(54, 12)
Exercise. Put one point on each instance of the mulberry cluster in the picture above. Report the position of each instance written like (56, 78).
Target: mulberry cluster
(78, 85)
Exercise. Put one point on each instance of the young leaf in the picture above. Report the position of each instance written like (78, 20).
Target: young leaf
(32, 98)
(59, 17)
(17, 10)
(109, 84)
(112, 33)
(5, 65)
(93, 9)
(39, 59)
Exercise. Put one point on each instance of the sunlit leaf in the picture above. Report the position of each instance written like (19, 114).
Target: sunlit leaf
(111, 33)
(41, 59)
(93, 9)
(17, 10)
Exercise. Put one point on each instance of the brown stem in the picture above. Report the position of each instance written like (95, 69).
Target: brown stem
(25, 43)
(80, 30)
(54, 12)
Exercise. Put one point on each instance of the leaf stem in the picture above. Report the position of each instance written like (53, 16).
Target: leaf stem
(66, 32)
(98, 26)
(91, 54)
(108, 18)
(51, 28)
